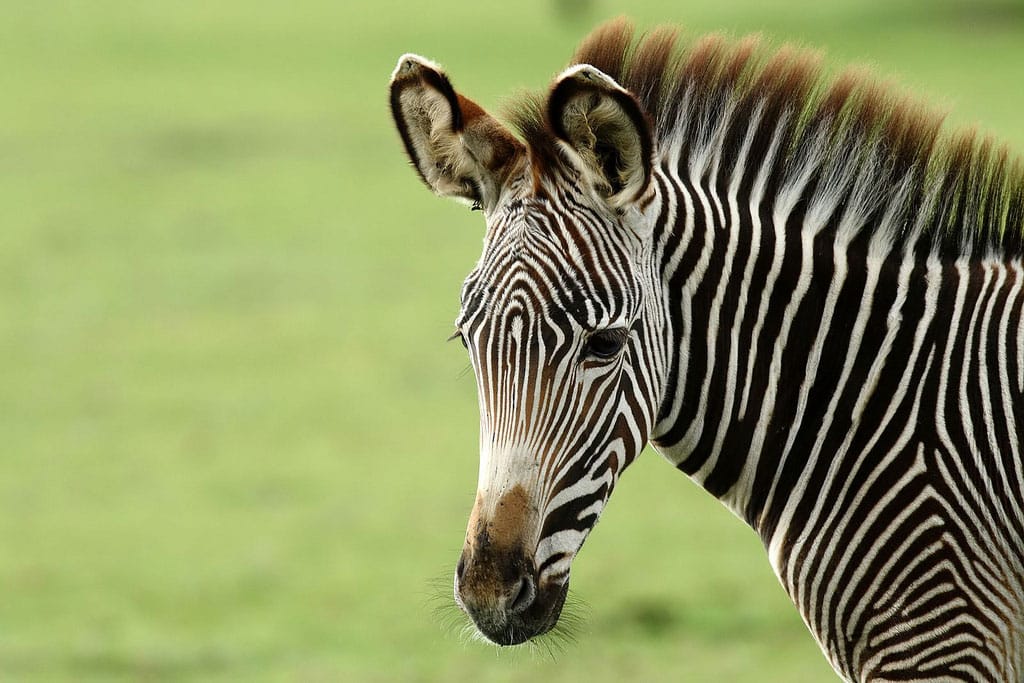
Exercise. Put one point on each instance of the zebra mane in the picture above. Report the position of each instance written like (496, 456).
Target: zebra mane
(849, 141)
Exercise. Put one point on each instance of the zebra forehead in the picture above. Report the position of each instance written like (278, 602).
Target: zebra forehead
(555, 267)
(559, 291)
(563, 229)
(522, 297)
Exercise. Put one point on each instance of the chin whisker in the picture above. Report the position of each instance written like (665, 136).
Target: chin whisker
(565, 632)
(440, 600)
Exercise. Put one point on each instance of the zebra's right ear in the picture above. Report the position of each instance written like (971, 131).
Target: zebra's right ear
(604, 131)
(459, 149)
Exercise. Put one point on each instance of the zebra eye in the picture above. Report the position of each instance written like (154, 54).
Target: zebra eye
(606, 344)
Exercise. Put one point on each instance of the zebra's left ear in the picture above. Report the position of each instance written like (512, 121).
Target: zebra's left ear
(605, 132)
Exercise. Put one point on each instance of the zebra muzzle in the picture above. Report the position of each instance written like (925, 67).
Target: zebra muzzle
(499, 590)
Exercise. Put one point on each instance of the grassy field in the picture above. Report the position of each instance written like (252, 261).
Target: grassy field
(233, 445)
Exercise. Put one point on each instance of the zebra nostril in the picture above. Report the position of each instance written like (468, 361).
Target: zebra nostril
(523, 596)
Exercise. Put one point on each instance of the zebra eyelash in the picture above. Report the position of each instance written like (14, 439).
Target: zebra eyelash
(457, 334)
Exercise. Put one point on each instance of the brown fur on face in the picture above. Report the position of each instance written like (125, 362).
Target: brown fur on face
(506, 526)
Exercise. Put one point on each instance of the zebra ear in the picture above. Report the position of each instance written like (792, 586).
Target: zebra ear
(459, 150)
(604, 130)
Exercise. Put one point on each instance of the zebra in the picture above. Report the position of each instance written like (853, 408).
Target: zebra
(799, 290)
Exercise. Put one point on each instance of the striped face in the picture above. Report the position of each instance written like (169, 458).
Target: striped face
(552, 317)
(557, 318)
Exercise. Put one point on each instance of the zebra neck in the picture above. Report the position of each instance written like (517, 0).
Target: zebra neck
(801, 350)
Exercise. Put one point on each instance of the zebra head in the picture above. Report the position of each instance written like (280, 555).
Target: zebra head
(559, 317)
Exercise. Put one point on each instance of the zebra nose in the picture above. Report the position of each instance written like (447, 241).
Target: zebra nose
(495, 587)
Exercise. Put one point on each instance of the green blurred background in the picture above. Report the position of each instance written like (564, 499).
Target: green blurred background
(233, 445)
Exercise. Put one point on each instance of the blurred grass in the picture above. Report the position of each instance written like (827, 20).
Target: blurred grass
(232, 443)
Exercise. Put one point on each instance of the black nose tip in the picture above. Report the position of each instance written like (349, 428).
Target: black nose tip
(501, 593)
(486, 585)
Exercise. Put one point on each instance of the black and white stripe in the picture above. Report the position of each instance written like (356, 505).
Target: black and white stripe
(853, 393)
